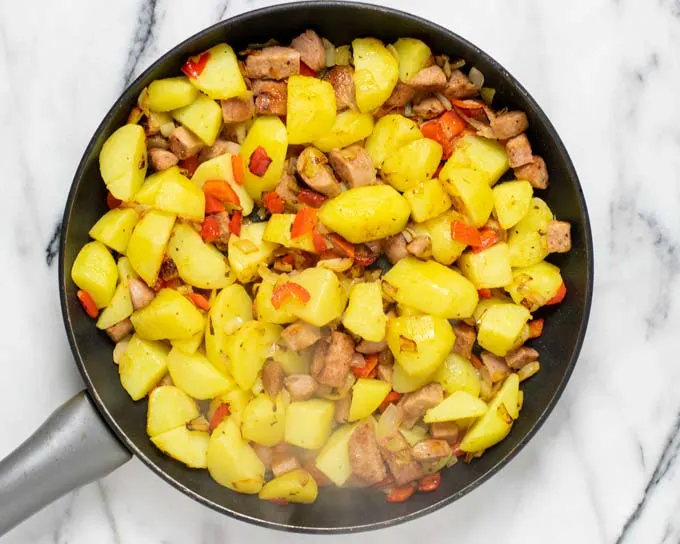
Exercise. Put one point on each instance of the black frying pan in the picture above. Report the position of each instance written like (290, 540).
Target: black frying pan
(79, 444)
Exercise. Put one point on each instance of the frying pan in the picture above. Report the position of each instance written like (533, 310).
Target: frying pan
(100, 428)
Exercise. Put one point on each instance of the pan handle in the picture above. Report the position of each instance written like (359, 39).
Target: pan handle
(72, 448)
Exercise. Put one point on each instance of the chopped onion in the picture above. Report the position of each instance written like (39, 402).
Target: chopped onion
(198, 424)
(389, 422)
(528, 370)
(245, 246)
(343, 56)
(119, 349)
(408, 109)
(343, 391)
(240, 130)
(406, 344)
(445, 101)
(487, 94)
(143, 100)
(135, 116)
(338, 264)
(408, 235)
(457, 64)
(329, 50)
(258, 386)
(167, 129)
(234, 324)
(389, 291)
(476, 77)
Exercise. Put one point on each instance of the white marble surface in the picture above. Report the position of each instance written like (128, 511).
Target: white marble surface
(605, 466)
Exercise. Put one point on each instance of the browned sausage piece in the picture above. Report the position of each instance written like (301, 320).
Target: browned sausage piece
(385, 372)
(431, 450)
(429, 79)
(300, 386)
(157, 142)
(224, 233)
(397, 453)
(311, 50)
(364, 455)
(353, 165)
(272, 378)
(220, 147)
(428, 108)
(288, 189)
(520, 357)
(559, 237)
(401, 95)
(495, 226)
(271, 97)
(357, 361)
(140, 293)
(414, 405)
(237, 109)
(185, 143)
(284, 462)
(465, 339)
(273, 63)
(498, 369)
(312, 165)
(342, 80)
(395, 248)
(120, 330)
(445, 430)
(367, 347)
(519, 151)
(535, 173)
(342, 409)
(459, 86)
(331, 359)
(509, 125)
(420, 246)
(300, 335)
(264, 453)
(161, 159)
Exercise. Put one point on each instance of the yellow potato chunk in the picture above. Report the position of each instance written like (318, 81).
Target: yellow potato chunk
(221, 78)
(278, 231)
(188, 447)
(413, 55)
(203, 117)
(376, 73)
(122, 161)
(295, 486)
(248, 349)
(263, 420)
(412, 163)
(367, 395)
(309, 423)
(511, 202)
(349, 128)
(118, 309)
(431, 288)
(248, 251)
(169, 408)
(459, 405)
(458, 374)
(188, 346)
(445, 250)
(471, 193)
(333, 459)
(174, 193)
(169, 316)
(402, 382)
(142, 366)
(427, 199)
(487, 157)
(310, 109)
(170, 94)
(94, 270)
(114, 228)
(194, 375)
(221, 168)
(364, 214)
(527, 239)
(148, 242)
(365, 316)
(489, 268)
(125, 270)
(534, 285)
(390, 133)
(327, 297)
(500, 326)
(294, 362)
(267, 132)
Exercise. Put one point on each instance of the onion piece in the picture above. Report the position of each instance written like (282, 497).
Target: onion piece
(389, 422)
(246, 246)
(258, 386)
(338, 264)
(167, 129)
(527, 371)
(408, 109)
(329, 50)
(119, 349)
(476, 77)
(234, 324)
(445, 101)
(457, 64)
(199, 423)
(343, 56)
(487, 94)
(389, 291)
(408, 345)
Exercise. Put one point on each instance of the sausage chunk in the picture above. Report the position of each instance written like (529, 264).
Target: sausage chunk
(396, 248)
(367, 347)
(312, 165)
(559, 237)
(465, 339)
(157, 142)
(237, 110)
(220, 147)
(536, 173)
(431, 450)
(519, 151)
(273, 63)
(401, 95)
(342, 405)
(184, 143)
(284, 462)
(420, 246)
(397, 453)
(120, 330)
(271, 97)
(288, 189)
(264, 453)
(364, 455)
(140, 293)
(161, 159)
(272, 378)
(300, 335)
(414, 405)
(429, 79)
(311, 50)
(498, 369)
(520, 357)
(222, 240)
(459, 87)
(445, 430)
(353, 165)
(332, 357)
(342, 80)
(510, 124)
(300, 386)
(385, 372)
(428, 108)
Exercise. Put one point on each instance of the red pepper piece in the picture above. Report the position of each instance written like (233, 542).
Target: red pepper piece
(237, 169)
(391, 398)
(199, 301)
(189, 164)
(444, 130)
(88, 303)
(235, 223)
(484, 293)
(341, 246)
(370, 365)
(311, 198)
(464, 233)
(559, 296)
(305, 221)
(430, 482)
(364, 256)
(112, 202)
(194, 66)
(221, 412)
(213, 205)
(210, 229)
(488, 238)
(306, 70)
(401, 494)
(274, 203)
(259, 162)
(222, 191)
(289, 290)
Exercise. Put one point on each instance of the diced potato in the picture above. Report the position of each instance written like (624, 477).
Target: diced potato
(390, 133)
(295, 486)
(412, 163)
(495, 425)
(419, 343)
(488, 157)
(427, 200)
(147, 192)
(188, 346)
(327, 297)
(267, 132)
(94, 270)
(221, 168)
(221, 78)
(265, 309)
(367, 395)
(486, 303)
(122, 161)
(445, 249)
(333, 459)
(148, 242)
(194, 375)
(431, 288)
(413, 55)
(248, 251)
(176, 194)
(310, 109)
(534, 285)
(114, 228)
(170, 94)
(489, 268)
(365, 316)
(364, 214)
(500, 326)
(402, 382)
(309, 423)
(169, 316)
(125, 270)
(527, 239)
(511, 201)
(232, 462)
(458, 374)
(294, 362)
(169, 408)
(188, 447)
(459, 405)
(376, 73)
(471, 194)
(199, 264)
(248, 348)
(203, 117)
(263, 420)
(349, 128)
(118, 309)
(142, 366)
(278, 231)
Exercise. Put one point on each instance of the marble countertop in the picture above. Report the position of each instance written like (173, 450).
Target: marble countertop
(604, 468)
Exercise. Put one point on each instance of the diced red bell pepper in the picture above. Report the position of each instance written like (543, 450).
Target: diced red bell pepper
(213, 205)
(280, 502)
(464, 233)
(88, 303)
(189, 164)
(222, 191)
(199, 301)
(468, 104)
(311, 198)
(559, 296)
(320, 242)
(401, 494)
(210, 229)
(536, 328)
(341, 246)
(443, 130)
(306, 70)
(484, 293)
(391, 398)
(305, 221)
(364, 256)
(235, 223)
(112, 202)
(430, 482)
(194, 66)
(370, 368)
(488, 238)
(476, 361)
(237, 169)
(274, 203)
(289, 290)
(219, 415)
(259, 162)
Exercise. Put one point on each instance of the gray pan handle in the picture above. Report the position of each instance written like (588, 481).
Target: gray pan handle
(72, 448)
